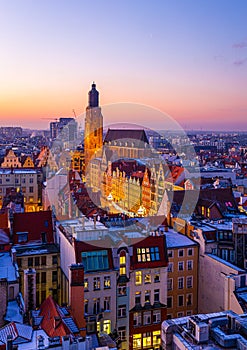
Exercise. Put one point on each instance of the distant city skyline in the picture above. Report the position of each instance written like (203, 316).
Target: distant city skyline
(185, 58)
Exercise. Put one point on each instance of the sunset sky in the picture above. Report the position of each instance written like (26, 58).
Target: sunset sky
(187, 58)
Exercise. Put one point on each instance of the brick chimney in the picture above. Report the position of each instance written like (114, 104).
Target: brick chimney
(77, 296)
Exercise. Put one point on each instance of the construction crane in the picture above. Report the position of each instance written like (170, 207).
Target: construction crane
(74, 113)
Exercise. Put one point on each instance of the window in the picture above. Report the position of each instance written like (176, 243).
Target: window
(180, 314)
(37, 277)
(137, 341)
(96, 305)
(137, 319)
(19, 262)
(189, 282)
(169, 284)
(188, 313)
(96, 283)
(170, 253)
(43, 277)
(54, 259)
(170, 267)
(122, 262)
(107, 303)
(43, 260)
(138, 298)
(148, 254)
(147, 296)
(22, 237)
(138, 278)
(156, 277)
(147, 317)
(156, 338)
(232, 255)
(180, 300)
(181, 266)
(36, 261)
(86, 306)
(85, 285)
(181, 253)
(180, 283)
(121, 311)
(95, 260)
(224, 254)
(189, 299)
(31, 180)
(30, 262)
(169, 316)
(54, 276)
(147, 340)
(190, 251)
(169, 301)
(189, 264)
(156, 295)
(156, 316)
(122, 290)
(31, 189)
(122, 332)
(107, 282)
(147, 278)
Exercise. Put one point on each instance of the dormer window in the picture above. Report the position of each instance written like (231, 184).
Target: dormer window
(22, 237)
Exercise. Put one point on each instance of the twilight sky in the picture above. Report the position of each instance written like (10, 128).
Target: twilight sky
(187, 58)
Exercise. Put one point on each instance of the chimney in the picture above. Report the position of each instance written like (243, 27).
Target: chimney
(13, 255)
(77, 296)
(9, 342)
(65, 342)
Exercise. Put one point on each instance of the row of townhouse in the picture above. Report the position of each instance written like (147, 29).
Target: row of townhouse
(126, 279)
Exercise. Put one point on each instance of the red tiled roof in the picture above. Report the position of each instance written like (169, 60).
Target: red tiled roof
(4, 220)
(34, 223)
(48, 310)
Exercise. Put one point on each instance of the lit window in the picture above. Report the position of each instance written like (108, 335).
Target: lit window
(147, 340)
(189, 299)
(122, 260)
(148, 254)
(156, 338)
(138, 298)
(147, 296)
(137, 341)
(147, 278)
(138, 278)
(96, 283)
(107, 282)
(86, 285)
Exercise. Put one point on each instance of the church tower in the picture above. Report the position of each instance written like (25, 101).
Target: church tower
(93, 132)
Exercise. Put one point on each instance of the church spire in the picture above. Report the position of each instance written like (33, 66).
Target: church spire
(93, 97)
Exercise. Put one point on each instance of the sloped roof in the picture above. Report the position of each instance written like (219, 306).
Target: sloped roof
(134, 134)
(19, 332)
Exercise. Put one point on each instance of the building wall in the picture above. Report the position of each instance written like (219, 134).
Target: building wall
(174, 274)
(216, 296)
(3, 304)
(47, 274)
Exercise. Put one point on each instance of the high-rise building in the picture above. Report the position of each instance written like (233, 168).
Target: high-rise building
(93, 133)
